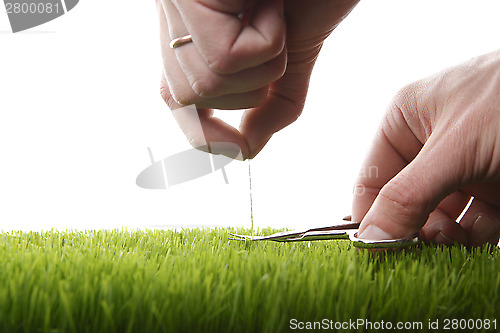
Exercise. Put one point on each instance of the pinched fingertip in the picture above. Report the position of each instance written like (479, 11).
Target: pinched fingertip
(484, 230)
(447, 232)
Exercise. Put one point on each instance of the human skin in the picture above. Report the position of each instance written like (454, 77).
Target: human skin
(437, 145)
(262, 63)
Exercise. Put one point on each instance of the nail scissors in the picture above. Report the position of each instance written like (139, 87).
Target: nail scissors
(346, 230)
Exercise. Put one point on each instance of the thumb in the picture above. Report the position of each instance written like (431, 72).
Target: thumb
(284, 104)
(404, 203)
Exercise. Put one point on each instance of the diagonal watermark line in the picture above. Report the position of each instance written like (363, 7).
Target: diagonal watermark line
(192, 163)
(63, 3)
(151, 155)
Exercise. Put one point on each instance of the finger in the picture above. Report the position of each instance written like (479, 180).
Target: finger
(179, 88)
(166, 95)
(259, 124)
(482, 223)
(210, 134)
(454, 204)
(441, 229)
(486, 192)
(393, 148)
(204, 131)
(441, 226)
(408, 195)
(382, 164)
(405, 202)
(175, 23)
(282, 107)
(237, 45)
(209, 84)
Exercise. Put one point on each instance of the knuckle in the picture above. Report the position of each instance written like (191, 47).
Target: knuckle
(260, 96)
(169, 96)
(404, 197)
(226, 6)
(252, 99)
(165, 94)
(182, 98)
(405, 98)
(278, 68)
(410, 105)
(247, 100)
(227, 61)
(221, 64)
(272, 47)
(171, 102)
(206, 86)
(275, 45)
(358, 190)
(363, 188)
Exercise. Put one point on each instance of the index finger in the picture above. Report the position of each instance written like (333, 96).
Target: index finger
(393, 148)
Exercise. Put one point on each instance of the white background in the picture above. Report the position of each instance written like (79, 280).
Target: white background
(80, 104)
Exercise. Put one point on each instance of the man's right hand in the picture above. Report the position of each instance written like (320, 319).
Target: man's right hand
(438, 145)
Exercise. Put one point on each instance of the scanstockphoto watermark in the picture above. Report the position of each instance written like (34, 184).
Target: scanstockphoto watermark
(356, 324)
(26, 14)
(369, 172)
(447, 324)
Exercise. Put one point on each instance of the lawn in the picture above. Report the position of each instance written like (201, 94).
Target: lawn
(199, 281)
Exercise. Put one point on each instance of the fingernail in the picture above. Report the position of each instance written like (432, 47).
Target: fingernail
(483, 230)
(373, 232)
(441, 238)
(347, 218)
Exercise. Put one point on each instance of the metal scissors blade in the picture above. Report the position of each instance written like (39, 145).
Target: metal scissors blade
(344, 230)
(384, 243)
(329, 232)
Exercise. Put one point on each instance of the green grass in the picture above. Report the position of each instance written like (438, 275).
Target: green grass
(198, 280)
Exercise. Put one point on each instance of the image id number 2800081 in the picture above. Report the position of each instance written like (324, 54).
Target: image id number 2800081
(472, 324)
(32, 8)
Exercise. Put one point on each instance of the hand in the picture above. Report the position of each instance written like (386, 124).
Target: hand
(255, 54)
(438, 145)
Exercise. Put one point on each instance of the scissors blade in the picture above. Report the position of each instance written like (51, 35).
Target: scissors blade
(384, 244)
(323, 235)
(336, 231)
(279, 236)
